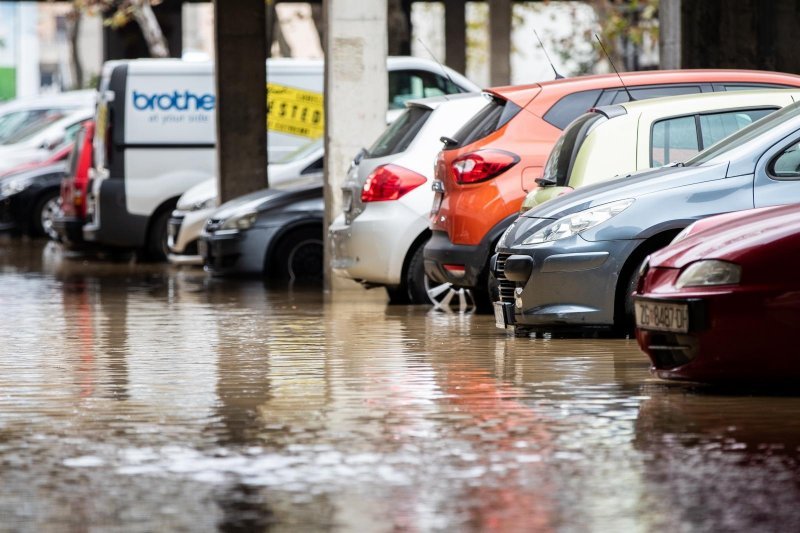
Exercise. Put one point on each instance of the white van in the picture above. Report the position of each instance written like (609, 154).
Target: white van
(156, 132)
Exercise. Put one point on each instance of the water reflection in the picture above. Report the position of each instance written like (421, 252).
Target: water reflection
(146, 398)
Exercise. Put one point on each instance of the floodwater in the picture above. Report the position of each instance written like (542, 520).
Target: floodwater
(144, 398)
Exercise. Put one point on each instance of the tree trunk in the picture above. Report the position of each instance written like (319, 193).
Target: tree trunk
(74, 30)
(144, 16)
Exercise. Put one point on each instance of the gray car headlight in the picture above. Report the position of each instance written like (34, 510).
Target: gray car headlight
(12, 186)
(579, 222)
(709, 272)
(241, 222)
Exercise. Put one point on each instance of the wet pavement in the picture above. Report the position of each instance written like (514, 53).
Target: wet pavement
(144, 398)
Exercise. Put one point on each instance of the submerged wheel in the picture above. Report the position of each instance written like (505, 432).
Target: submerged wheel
(424, 290)
(300, 255)
(45, 211)
(157, 248)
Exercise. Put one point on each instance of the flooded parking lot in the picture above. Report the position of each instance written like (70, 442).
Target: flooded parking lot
(145, 398)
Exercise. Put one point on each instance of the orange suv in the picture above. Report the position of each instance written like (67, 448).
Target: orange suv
(484, 172)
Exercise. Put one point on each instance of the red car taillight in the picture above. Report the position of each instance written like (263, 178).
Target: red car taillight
(482, 165)
(390, 182)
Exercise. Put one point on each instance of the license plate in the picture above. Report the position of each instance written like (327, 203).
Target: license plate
(499, 315)
(202, 248)
(662, 316)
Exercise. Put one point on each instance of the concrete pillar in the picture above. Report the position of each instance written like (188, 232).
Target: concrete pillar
(499, 42)
(240, 49)
(455, 34)
(669, 36)
(356, 93)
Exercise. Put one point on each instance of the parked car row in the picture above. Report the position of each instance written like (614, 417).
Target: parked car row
(552, 205)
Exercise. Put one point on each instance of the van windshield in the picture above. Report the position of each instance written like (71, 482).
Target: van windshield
(559, 165)
(745, 135)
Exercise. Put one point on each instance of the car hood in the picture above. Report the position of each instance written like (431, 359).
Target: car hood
(630, 186)
(735, 237)
(261, 200)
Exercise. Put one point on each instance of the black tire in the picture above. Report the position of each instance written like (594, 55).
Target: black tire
(486, 293)
(415, 278)
(45, 209)
(628, 324)
(156, 248)
(299, 256)
(398, 295)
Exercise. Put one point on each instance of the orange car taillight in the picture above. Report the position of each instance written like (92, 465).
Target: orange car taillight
(482, 165)
(390, 182)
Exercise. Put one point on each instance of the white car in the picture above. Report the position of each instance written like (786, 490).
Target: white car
(378, 240)
(200, 201)
(35, 142)
(37, 113)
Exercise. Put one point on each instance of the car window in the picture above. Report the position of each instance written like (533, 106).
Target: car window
(716, 126)
(75, 153)
(562, 157)
(316, 166)
(399, 135)
(29, 122)
(407, 85)
(673, 139)
(753, 86)
(488, 120)
(570, 107)
(745, 135)
(645, 93)
(787, 164)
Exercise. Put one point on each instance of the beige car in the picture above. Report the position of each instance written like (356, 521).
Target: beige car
(615, 140)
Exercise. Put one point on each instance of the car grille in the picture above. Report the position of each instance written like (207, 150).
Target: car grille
(213, 224)
(671, 350)
(506, 286)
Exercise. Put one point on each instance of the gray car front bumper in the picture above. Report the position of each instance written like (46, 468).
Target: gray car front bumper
(572, 282)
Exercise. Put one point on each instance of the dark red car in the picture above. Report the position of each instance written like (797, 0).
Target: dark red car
(69, 223)
(722, 302)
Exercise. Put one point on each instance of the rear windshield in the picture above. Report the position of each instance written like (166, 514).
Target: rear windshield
(399, 135)
(562, 157)
(491, 118)
(745, 135)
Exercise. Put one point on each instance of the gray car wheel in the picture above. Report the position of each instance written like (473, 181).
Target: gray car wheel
(45, 212)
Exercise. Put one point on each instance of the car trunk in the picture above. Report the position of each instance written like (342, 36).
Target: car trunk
(395, 139)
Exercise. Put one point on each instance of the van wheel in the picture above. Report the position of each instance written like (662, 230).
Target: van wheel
(156, 248)
(47, 207)
(299, 256)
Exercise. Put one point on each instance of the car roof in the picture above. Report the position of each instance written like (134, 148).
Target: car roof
(694, 103)
(435, 101)
(553, 90)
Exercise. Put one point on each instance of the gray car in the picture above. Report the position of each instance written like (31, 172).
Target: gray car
(573, 262)
(276, 232)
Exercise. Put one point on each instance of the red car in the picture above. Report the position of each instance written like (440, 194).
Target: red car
(722, 302)
(69, 223)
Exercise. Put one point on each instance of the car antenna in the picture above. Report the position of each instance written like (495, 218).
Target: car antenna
(630, 96)
(444, 70)
(552, 66)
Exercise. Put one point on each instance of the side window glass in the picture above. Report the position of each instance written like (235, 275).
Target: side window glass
(716, 126)
(787, 165)
(645, 93)
(673, 140)
(316, 166)
(754, 86)
(401, 88)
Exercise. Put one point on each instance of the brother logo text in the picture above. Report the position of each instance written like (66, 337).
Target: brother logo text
(175, 101)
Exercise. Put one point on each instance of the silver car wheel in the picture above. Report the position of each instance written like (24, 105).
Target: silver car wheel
(50, 210)
(445, 297)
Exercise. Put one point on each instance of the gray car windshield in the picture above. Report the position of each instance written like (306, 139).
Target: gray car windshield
(745, 135)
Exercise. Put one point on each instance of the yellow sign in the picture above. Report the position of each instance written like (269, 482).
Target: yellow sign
(295, 111)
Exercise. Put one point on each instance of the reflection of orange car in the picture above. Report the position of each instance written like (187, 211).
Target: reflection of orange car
(485, 170)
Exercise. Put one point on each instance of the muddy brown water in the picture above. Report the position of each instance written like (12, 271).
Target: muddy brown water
(144, 398)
